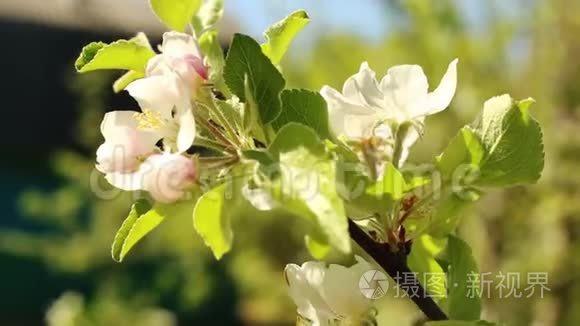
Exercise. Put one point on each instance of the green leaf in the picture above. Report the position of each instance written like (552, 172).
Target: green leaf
(465, 149)
(212, 220)
(214, 56)
(306, 185)
(245, 58)
(461, 323)
(318, 249)
(142, 219)
(447, 212)
(261, 156)
(464, 301)
(122, 54)
(292, 136)
(128, 77)
(392, 183)
(307, 188)
(305, 107)
(251, 114)
(209, 14)
(512, 139)
(367, 197)
(280, 35)
(232, 111)
(175, 14)
(422, 260)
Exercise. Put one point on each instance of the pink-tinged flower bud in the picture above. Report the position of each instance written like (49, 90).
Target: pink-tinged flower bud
(169, 176)
(180, 54)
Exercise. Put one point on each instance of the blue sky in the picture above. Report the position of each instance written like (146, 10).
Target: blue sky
(368, 18)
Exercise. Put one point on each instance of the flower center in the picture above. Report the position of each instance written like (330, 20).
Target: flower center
(153, 120)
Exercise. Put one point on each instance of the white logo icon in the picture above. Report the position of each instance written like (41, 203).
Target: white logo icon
(373, 284)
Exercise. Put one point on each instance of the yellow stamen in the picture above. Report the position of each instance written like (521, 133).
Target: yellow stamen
(149, 119)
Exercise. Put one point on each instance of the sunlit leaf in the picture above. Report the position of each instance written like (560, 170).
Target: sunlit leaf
(292, 136)
(422, 260)
(209, 14)
(212, 220)
(122, 82)
(317, 248)
(142, 219)
(280, 35)
(364, 196)
(513, 143)
(307, 187)
(464, 300)
(465, 149)
(122, 54)
(175, 14)
(213, 55)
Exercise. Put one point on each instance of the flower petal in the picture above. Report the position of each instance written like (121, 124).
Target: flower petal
(348, 118)
(341, 289)
(112, 121)
(125, 144)
(405, 81)
(198, 66)
(404, 88)
(409, 138)
(363, 87)
(308, 301)
(129, 181)
(157, 66)
(157, 93)
(441, 97)
(177, 44)
(186, 133)
(336, 100)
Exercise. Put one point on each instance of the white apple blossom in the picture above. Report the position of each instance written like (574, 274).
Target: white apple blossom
(125, 146)
(165, 94)
(328, 294)
(129, 156)
(166, 110)
(166, 176)
(367, 108)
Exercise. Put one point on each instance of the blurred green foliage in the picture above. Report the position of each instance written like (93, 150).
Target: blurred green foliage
(172, 278)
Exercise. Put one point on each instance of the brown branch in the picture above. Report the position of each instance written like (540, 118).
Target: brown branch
(395, 264)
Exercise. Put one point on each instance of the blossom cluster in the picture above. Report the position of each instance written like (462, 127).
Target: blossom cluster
(147, 150)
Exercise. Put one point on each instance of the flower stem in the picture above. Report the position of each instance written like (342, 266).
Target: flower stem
(217, 133)
(207, 100)
(395, 264)
(212, 144)
(217, 161)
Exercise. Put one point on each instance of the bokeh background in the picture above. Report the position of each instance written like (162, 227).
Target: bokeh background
(55, 234)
